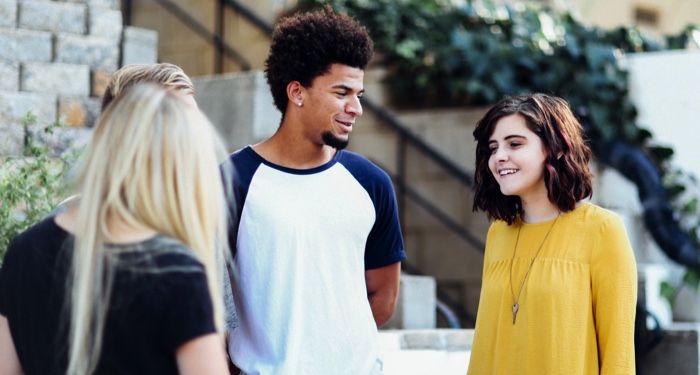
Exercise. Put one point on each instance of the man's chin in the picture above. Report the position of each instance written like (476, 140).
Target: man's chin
(337, 143)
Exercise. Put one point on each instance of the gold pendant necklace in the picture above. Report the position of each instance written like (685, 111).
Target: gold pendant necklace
(516, 305)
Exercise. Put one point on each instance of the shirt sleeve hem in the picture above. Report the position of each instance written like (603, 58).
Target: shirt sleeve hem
(393, 258)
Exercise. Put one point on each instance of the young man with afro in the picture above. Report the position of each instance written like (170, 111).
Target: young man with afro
(317, 240)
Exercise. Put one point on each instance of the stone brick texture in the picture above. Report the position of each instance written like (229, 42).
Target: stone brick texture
(25, 45)
(78, 112)
(112, 4)
(105, 23)
(139, 46)
(100, 81)
(11, 139)
(96, 52)
(14, 106)
(8, 13)
(56, 59)
(55, 78)
(53, 16)
(9, 76)
(60, 140)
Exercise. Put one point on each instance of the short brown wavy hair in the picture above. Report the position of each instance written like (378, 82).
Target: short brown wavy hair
(305, 45)
(566, 173)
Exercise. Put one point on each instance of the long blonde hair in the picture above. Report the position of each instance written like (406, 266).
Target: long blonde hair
(153, 163)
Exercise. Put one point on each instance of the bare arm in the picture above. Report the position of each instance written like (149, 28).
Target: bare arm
(383, 291)
(203, 355)
(9, 362)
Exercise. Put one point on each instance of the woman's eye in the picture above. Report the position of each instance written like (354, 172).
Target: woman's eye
(515, 144)
(492, 150)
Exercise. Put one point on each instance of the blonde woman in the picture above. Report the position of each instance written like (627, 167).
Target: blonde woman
(124, 279)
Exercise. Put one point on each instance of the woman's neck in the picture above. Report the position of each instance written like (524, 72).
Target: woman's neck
(539, 210)
(289, 148)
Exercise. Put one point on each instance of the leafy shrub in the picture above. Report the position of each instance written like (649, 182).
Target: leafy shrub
(31, 185)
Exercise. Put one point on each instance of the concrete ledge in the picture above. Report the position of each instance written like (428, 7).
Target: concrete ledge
(427, 339)
(678, 352)
(423, 352)
(447, 351)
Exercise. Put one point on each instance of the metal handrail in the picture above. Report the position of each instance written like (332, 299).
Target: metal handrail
(403, 131)
(202, 31)
(435, 211)
(250, 15)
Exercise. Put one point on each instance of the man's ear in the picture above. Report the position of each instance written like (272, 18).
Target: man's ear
(295, 93)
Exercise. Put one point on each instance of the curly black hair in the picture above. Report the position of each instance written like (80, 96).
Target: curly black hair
(566, 174)
(305, 45)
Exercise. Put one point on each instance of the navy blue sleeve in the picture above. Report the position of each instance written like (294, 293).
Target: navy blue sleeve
(243, 164)
(385, 241)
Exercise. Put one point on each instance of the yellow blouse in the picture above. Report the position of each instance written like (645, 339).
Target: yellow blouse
(576, 311)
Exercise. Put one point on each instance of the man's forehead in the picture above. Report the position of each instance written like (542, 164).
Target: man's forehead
(339, 75)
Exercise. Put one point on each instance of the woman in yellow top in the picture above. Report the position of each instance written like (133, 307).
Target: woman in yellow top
(559, 283)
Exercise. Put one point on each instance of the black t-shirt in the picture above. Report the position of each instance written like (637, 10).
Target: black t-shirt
(160, 300)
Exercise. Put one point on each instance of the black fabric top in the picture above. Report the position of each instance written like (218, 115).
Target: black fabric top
(160, 300)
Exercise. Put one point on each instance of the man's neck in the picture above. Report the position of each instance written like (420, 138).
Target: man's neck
(289, 149)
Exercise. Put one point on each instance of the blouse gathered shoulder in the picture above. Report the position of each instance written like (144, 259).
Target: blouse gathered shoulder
(577, 308)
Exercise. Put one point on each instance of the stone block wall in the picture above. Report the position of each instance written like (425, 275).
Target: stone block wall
(56, 57)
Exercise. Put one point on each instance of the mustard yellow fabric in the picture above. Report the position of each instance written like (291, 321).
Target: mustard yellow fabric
(577, 308)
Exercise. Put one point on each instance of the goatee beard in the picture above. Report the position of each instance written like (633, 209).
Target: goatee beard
(333, 141)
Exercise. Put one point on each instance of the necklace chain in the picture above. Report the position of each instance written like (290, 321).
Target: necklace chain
(516, 305)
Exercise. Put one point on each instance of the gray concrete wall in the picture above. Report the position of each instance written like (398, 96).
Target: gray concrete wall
(415, 308)
(240, 106)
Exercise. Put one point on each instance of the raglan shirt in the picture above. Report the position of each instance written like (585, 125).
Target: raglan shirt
(303, 241)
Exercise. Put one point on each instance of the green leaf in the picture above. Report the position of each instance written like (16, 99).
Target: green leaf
(661, 152)
(668, 292)
(692, 278)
